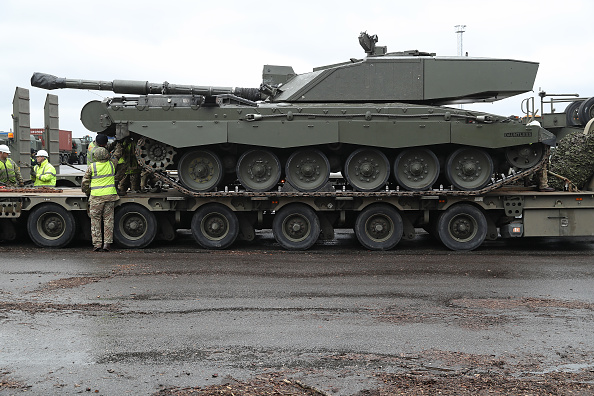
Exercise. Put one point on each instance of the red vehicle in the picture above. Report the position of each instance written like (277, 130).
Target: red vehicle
(66, 148)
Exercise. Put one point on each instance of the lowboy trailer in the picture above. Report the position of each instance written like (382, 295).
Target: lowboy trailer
(54, 218)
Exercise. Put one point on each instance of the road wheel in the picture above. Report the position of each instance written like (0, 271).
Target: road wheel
(50, 225)
(258, 170)
(462, 227)
(379, 227)
(200, 170)
(367, 169)
(416, 169)
(135, 226)
(215, 226)
(469, 168)
(296, 227)
(307, 170)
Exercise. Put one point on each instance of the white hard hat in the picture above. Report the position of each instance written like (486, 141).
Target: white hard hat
(42, 153)
(4, 149)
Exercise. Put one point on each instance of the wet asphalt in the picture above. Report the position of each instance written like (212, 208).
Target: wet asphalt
(174, 315)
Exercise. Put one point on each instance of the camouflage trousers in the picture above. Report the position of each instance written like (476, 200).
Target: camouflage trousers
(120, 174)
(130, 181)
(102, 211)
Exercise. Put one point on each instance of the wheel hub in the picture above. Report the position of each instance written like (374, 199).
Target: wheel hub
(378, 228)
(462, 228)
(415, 169)
(259, 170)
(201, 170)
(308, 170)
(296, 228)
(53, 226)
(215, 227)
(134, 226)
(469, 168)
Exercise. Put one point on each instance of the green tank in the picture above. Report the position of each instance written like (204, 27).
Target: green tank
(389, 120)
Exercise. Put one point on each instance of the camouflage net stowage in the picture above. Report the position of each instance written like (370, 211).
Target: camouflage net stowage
(574, 159)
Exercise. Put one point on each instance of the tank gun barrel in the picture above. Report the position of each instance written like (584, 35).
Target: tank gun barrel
(133, 87)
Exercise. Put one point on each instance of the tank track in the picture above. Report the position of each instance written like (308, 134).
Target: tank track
(492, 186)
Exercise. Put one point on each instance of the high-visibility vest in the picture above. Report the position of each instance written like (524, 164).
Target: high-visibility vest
(45, 174)
(7, 172)
(102, 179)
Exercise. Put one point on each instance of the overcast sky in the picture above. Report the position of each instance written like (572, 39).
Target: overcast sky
(226, 43)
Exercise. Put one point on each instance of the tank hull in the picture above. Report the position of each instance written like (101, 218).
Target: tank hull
(289, 126)
(415, 147)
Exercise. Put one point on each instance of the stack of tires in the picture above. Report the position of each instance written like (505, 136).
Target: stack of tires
(580, 112)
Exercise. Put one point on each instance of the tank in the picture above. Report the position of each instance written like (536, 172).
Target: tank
(390, 120)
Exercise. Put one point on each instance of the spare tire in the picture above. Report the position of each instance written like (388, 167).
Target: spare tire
(586, 111)
(572, 113)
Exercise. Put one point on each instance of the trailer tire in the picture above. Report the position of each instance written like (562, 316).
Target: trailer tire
(135, 226)
(379, 227)
(50, 225)
(462, 227)
(215, 226)
(296, 227)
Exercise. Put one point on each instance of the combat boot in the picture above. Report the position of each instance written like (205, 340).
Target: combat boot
(107, 247)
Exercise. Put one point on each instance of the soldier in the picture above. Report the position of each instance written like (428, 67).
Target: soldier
(99, 184)
(130, 170)
(100, 141)
(10, 173)
(45, 173)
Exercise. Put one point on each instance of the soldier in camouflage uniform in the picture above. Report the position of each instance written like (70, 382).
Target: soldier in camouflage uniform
(99, 184)
(128, 176)
(100, 141)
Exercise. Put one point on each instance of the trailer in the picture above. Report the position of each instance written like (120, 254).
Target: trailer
(54, 218)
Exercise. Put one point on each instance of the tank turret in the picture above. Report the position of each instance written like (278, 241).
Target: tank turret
(411, 77)
(382, 121)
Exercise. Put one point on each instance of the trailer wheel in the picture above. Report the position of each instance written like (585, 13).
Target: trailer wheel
(379, 227)
(135, 226)
(462, 227)
(215, 226)
(50, 225)
(296, 227)
(586, 111)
